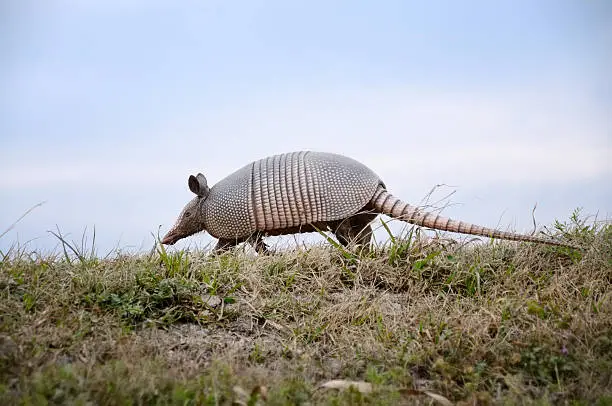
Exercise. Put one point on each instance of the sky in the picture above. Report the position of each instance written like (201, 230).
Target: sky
(106, 107)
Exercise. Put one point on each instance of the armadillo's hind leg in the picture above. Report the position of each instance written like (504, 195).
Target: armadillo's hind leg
(355, 230)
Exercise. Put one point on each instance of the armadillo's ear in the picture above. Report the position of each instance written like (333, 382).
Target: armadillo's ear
(198, 185)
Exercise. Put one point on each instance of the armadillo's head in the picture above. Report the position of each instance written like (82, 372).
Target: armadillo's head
(191, 219)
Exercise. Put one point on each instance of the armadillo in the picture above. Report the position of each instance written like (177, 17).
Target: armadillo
(305, 191)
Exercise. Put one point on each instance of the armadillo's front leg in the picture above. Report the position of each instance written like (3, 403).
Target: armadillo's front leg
(224, 245)
(260, 246)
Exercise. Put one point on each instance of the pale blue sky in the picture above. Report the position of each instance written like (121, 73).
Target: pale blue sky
(108, 106)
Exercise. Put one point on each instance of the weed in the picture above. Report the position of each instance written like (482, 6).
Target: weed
(87, 259)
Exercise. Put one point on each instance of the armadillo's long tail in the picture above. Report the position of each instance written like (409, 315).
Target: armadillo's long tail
(384, 202)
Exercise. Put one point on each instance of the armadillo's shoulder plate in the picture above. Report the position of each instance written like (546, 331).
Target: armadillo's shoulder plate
(227, 208)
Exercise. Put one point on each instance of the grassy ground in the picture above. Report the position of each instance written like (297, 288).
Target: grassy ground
(416, 322)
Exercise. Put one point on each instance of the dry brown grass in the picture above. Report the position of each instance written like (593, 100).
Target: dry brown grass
(501, 323)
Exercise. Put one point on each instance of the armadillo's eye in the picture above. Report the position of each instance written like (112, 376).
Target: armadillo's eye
(188, 214)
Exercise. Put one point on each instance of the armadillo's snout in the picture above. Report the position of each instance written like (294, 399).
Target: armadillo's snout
(170, 238)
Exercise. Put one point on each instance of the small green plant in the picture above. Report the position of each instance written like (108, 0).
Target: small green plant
(29, 301)
(256, 355)
(536, 309)
(399, 249)
(419, 265)
(545, 366)
(352, 258)
(175, 263)
(577, 228)
(473, 281)
(86, 257)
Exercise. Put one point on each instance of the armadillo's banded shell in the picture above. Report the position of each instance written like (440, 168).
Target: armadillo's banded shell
(288, 190)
